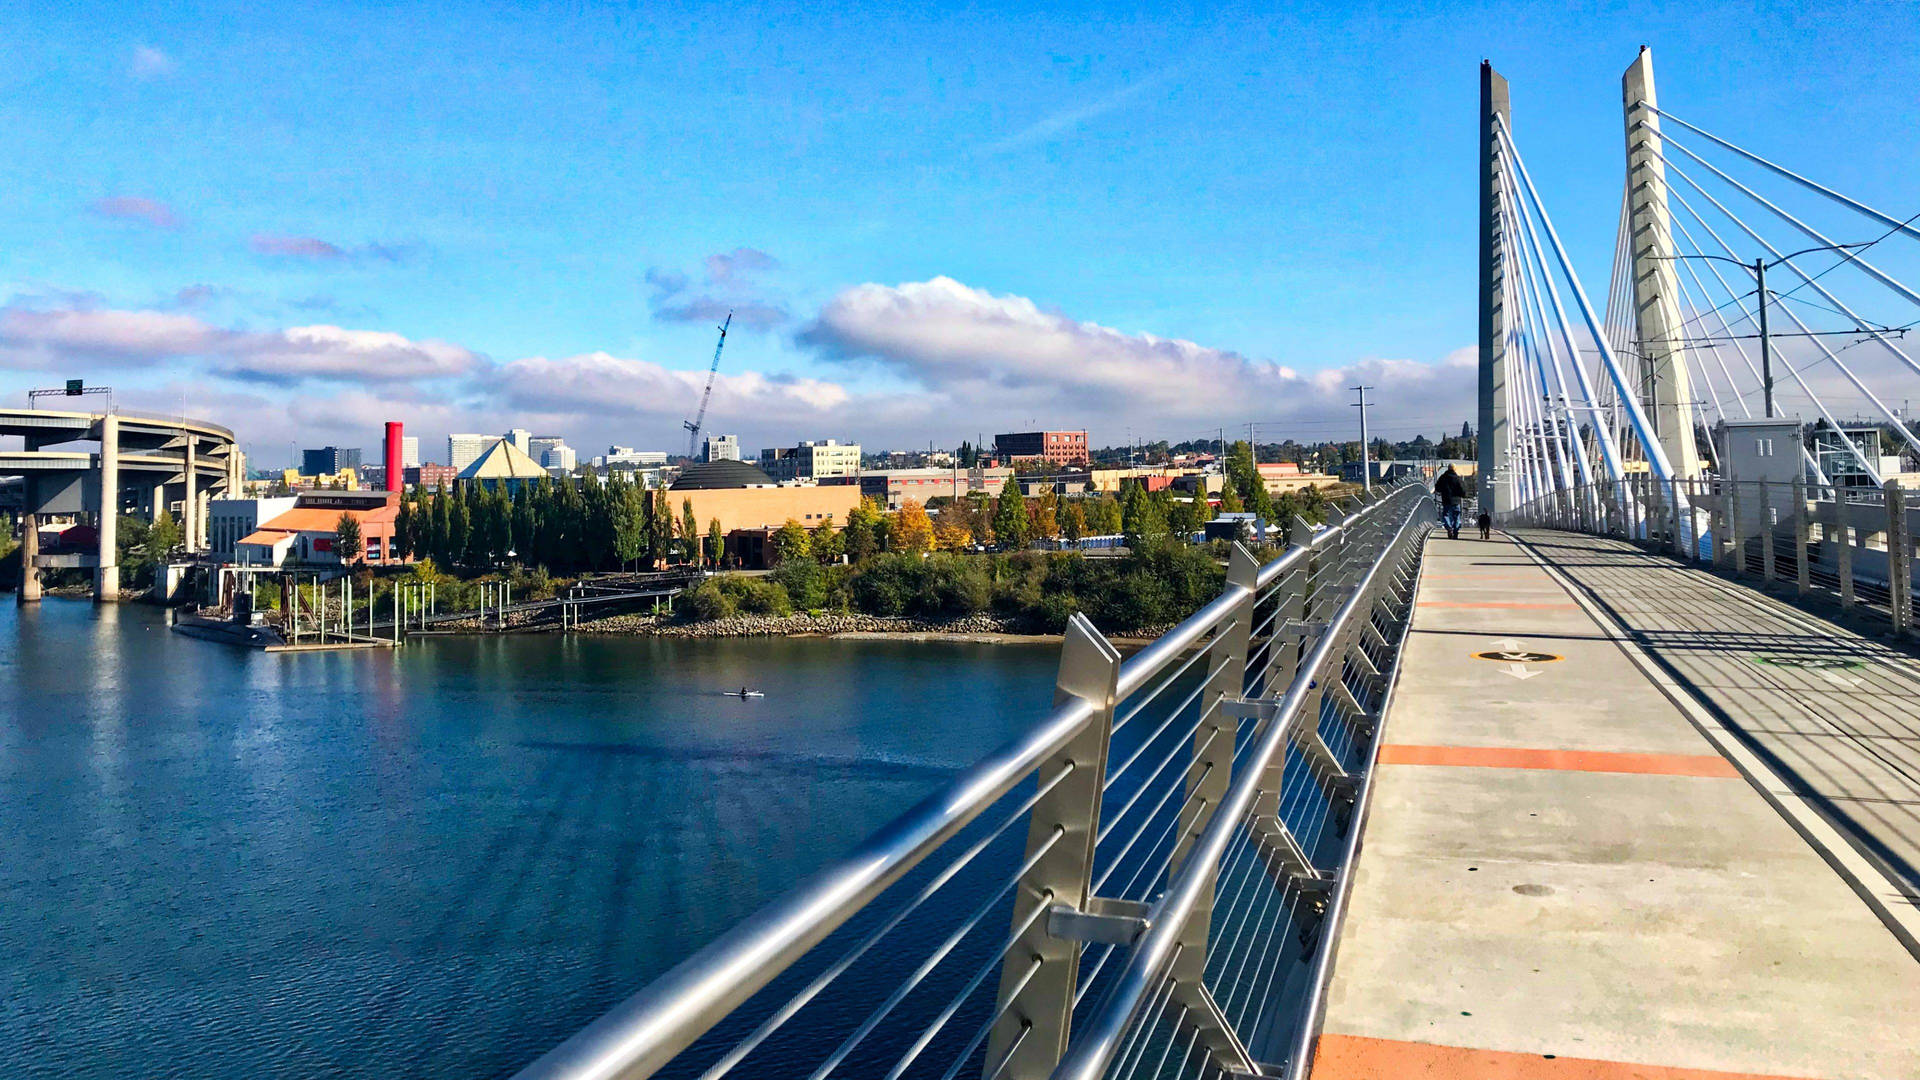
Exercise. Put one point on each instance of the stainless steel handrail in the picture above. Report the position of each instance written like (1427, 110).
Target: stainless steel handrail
(648, 1029)
(1153, 954)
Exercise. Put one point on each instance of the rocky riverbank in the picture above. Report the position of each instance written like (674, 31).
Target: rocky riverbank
(983, 627)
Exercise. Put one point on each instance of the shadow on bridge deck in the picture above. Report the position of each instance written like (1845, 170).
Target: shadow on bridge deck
(1571, 867)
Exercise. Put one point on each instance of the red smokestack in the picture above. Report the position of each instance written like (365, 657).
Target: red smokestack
(394, 473)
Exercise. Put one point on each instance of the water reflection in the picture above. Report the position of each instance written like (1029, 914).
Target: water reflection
(431, 863)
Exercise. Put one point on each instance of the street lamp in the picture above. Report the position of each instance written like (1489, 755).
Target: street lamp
(1759, 268)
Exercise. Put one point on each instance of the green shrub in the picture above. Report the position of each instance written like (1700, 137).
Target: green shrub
(806, 582)
(707, 601)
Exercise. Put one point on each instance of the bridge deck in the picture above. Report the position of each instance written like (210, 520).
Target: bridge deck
(1566, 873)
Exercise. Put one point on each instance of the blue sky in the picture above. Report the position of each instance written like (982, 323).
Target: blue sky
(1150, 220)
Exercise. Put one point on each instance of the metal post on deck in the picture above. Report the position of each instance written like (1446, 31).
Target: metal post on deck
(1038, 976)
(1692, 530)
(1842, 536)
(1802, 536)
(1736, 539)
(1210, 771)
(1899, 558)
(1768, 571)
(1673, 515)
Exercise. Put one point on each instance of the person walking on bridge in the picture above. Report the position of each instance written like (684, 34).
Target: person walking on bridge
(1450, 489)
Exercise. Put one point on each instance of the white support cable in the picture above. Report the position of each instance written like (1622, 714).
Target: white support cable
(1529, 403)
(1571, 430)
(1818, 403)
(1851, 204)
(1831, 356)
(1609, 450)
(1811, 233)
(1726, 330)
(1687, 301)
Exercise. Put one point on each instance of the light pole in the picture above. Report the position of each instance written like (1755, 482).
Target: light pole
(1758, 268)
(1366, 469)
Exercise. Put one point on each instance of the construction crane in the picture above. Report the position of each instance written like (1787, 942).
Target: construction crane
(693, 425)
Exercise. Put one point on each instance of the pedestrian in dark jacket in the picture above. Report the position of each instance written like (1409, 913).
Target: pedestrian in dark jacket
(1450, 489)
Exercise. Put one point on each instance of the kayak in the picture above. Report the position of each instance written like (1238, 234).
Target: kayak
(744, 693)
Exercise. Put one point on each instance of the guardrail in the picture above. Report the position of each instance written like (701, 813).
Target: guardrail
(1853, 544)
(1134, 887)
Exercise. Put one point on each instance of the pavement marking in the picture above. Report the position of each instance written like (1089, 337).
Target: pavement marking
(1599, 761)
(1356, 1057)
(1517, 656)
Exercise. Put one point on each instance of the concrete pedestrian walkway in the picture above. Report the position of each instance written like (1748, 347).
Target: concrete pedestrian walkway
(1566, 874)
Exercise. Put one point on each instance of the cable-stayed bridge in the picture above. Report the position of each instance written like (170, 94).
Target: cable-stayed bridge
(1630, 789)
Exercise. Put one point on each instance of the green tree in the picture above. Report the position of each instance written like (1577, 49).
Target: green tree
(690, 531)
(1230, 500)
(1141, 522)
(162, 536)
(346, 539)
(522, 527)
(790, 542)
(629, 525)
(660, 526)
(716, 542)
(459, 531)
(827, 543)
(403, 530)
(1010, 524)
(865, 527)
(441, 530)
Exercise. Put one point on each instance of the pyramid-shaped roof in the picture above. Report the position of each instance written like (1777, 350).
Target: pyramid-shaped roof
(503, 461)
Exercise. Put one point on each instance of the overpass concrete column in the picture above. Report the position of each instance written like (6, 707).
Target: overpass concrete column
(29, 550)
(190, 505)
(106, 580)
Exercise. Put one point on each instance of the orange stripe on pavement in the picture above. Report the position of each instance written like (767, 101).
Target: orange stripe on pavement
(1601, 761)
(1489, 604)
(1355, 1057)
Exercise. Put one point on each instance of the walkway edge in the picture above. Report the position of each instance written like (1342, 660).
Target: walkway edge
(1863, 876)
(1313, 1014)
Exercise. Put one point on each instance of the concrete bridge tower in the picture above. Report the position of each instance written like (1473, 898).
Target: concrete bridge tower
(1656, 289)
(1493, 431)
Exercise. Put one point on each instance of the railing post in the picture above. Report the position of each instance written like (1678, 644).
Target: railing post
(1692, 530)
(1673, 516)
(1736, 539)
(1899, 558)
(1767, 569)
(1211, 769)
(1038, 1000)
(1717, 521)
(1843, 547)
(1802, 536)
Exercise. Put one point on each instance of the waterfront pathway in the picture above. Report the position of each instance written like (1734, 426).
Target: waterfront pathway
(1630, 821)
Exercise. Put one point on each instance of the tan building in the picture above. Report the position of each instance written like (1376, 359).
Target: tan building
(1281, 477)
(743, 497)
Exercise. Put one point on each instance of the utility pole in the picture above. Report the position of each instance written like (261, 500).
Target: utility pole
(1366, 469)
(1766, 347)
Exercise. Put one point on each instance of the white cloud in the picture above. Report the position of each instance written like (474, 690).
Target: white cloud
(149, 63)
(37, 338)
(602, 384)
(1010, 359)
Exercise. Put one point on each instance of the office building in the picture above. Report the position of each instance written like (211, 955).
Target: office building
(464, 448)
(328, 460)
(431, 477)
(811, 460)
(1052, 447)
(553, 453)
(410, 452)
(628, 457)
(723, 448)
(521, 439)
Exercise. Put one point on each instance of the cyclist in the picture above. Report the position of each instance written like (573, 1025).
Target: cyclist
(1450, 489)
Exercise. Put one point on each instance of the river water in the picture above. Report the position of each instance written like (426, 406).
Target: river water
(435, 862)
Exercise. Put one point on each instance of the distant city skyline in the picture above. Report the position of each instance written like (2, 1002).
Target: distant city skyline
(1144, 223)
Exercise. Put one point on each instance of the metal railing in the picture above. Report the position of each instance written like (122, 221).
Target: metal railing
(1134, 887)
(1853, 545)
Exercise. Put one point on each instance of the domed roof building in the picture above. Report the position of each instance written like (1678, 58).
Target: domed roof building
(715, 475)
